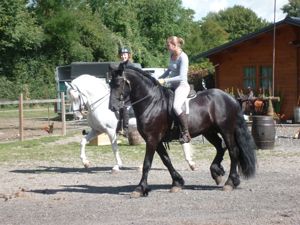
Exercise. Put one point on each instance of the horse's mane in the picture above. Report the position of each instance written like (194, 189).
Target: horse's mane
(166, 92)
(89, 85)
(144, 73)
(90, 80)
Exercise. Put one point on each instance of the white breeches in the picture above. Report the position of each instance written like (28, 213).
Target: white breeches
(181, 93)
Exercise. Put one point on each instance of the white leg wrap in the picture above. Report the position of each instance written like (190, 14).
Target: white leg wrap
(82, 149)
(83, 157)
(188, 154)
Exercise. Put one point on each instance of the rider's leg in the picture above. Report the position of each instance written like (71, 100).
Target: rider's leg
(181, 94)
(125, 121)
(119, 117)
(183, 119)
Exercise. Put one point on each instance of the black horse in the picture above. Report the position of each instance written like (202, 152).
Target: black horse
(211, 112)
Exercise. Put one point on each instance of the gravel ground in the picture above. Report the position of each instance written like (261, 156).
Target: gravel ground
(34, 193)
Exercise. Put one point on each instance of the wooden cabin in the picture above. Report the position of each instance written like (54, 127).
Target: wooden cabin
(248, 62)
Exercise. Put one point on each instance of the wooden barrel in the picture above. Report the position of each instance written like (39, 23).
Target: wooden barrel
(263, 131)
(297, 115)
(134, 137)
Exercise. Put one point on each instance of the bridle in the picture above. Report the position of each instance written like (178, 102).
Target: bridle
(83, 105)
(121, 97)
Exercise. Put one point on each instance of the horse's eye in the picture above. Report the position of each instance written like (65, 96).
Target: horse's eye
(119, 81)
(114, 83)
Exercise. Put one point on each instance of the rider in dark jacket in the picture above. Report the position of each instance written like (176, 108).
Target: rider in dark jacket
(125, 56)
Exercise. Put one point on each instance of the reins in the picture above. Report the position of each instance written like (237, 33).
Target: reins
(92, 104)
(123, 89)
(82, 94)
(140, 100)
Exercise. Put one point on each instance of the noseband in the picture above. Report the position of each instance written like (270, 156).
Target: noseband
(82, 104)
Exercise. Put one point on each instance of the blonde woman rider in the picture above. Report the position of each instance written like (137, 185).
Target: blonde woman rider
(177, 77)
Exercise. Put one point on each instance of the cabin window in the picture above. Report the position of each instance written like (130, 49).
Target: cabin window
(249, 79)
(257, 77)
(266, 77)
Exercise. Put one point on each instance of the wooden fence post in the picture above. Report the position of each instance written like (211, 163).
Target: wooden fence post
(63, 114)
(21, 118)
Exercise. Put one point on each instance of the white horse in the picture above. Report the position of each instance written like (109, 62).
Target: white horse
(91, 93)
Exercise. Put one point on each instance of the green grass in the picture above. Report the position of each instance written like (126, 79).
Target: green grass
(35, 112)
(37, 149)
(47, 149)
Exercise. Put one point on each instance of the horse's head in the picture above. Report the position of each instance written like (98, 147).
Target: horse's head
(128, 82)
(76, 99)
(119, 87)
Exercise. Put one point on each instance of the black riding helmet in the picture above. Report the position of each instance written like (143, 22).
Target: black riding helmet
(124, 50)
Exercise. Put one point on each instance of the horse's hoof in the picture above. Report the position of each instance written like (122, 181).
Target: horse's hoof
(86, 164)
(140, 168)
(115, 169)
(227, 188)
(175, 189)
(219, 180)
(136, 194)
(193, 167)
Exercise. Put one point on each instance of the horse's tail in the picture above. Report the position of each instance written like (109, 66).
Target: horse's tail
(247, 148)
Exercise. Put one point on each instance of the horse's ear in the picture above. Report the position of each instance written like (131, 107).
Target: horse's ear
(67, 85)
(115, 69)
(113, 66)
(122, 66)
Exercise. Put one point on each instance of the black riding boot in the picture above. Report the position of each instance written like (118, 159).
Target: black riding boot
(119, 125)
(185, 135)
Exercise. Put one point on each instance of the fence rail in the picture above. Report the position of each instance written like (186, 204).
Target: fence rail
(21, 102)
(36, 101)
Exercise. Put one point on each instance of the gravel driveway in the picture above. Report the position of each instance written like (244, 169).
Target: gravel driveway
(35, 193)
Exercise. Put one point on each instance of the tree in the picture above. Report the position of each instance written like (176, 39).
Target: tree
(216, 29)
(145, 25)
(19, 32)
(159, 19)
(292, 8)
(238, 21)
(21, 39)
(74, 32)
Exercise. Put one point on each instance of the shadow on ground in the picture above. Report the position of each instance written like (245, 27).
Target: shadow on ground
(115, 190)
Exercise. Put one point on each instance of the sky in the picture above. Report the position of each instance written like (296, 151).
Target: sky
(263, 8)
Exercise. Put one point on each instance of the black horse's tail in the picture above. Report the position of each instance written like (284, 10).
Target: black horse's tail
(247, 148)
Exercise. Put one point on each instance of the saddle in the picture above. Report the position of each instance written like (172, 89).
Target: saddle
(192, 94)
(174, 131)
(185, 107)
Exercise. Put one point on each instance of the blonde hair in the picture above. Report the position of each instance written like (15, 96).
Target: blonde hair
(176, 41)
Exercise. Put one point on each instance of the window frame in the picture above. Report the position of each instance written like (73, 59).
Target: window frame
(258, 76)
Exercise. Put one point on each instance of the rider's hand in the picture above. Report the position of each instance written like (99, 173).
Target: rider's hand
(161, 81)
